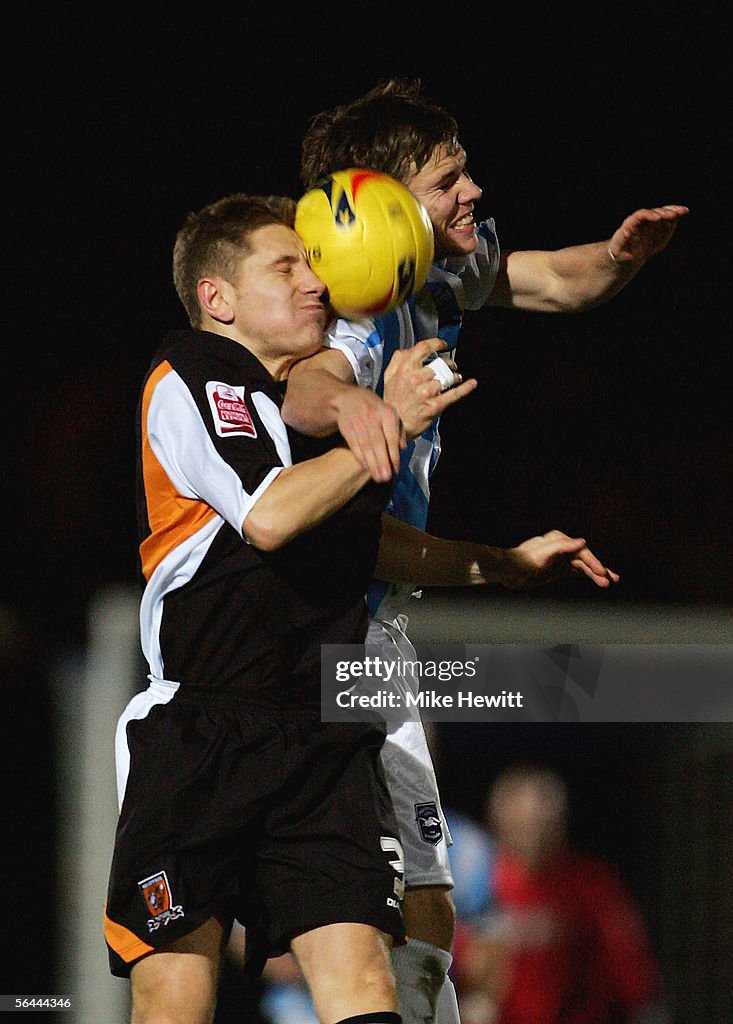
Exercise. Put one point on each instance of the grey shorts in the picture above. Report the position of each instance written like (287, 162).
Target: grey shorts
(410, 775)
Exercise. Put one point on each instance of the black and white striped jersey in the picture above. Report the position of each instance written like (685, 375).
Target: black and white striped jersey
(216, 613)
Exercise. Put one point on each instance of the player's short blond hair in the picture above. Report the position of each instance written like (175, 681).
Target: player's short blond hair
(213, 241)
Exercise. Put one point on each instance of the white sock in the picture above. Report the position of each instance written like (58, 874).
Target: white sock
(421, 973)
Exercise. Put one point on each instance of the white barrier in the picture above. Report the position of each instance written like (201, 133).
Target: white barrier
(89, 696)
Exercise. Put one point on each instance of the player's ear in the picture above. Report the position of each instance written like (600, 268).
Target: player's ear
(215, 298)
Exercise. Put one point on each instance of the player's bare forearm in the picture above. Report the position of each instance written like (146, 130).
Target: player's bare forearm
(322, 398)
(315, 386)
(301, 497)
(580, 277)
(410, 555)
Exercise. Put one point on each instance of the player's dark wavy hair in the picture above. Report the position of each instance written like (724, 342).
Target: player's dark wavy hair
(388, 129)
(213, 241)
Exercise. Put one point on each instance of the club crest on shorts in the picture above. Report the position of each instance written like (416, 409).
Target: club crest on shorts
(232, 418)
(429, 823)
(156, 892)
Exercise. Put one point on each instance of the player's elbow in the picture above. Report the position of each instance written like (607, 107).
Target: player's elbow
(264, 532)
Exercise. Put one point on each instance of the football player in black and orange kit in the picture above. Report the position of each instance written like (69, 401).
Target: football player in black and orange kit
(236, 799)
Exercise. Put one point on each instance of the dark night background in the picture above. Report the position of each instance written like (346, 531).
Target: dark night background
(614, 425)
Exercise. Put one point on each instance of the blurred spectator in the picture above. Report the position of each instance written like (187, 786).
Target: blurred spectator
(472, 857)
(547, 934)
(285, 997)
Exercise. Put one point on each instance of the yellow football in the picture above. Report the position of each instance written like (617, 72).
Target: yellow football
(368, 239)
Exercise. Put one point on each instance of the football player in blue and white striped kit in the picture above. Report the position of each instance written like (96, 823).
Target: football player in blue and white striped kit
(396, 130)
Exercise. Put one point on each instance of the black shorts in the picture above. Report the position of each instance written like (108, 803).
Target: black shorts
(276, 819)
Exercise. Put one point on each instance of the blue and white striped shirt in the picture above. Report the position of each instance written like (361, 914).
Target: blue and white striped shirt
(436, 311)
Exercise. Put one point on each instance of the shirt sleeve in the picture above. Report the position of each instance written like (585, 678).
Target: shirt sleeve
(362, 343)
(476, 274)
(228, 471)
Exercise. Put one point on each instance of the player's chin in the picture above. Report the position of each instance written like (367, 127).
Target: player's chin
(310, 338)
(462, 241)
(315, 319)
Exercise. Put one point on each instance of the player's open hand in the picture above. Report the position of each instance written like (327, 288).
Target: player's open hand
(645, 233)
(553, 556)
(415, 391)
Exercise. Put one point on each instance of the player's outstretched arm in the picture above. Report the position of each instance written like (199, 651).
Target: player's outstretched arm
(579, 277)
(409, 555)
(322, 398)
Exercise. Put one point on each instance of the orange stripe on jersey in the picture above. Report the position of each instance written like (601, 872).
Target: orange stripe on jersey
(172, 517)
(124, 942)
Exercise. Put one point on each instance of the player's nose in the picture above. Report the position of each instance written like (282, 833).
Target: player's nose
(310, 283)
(470, 192)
